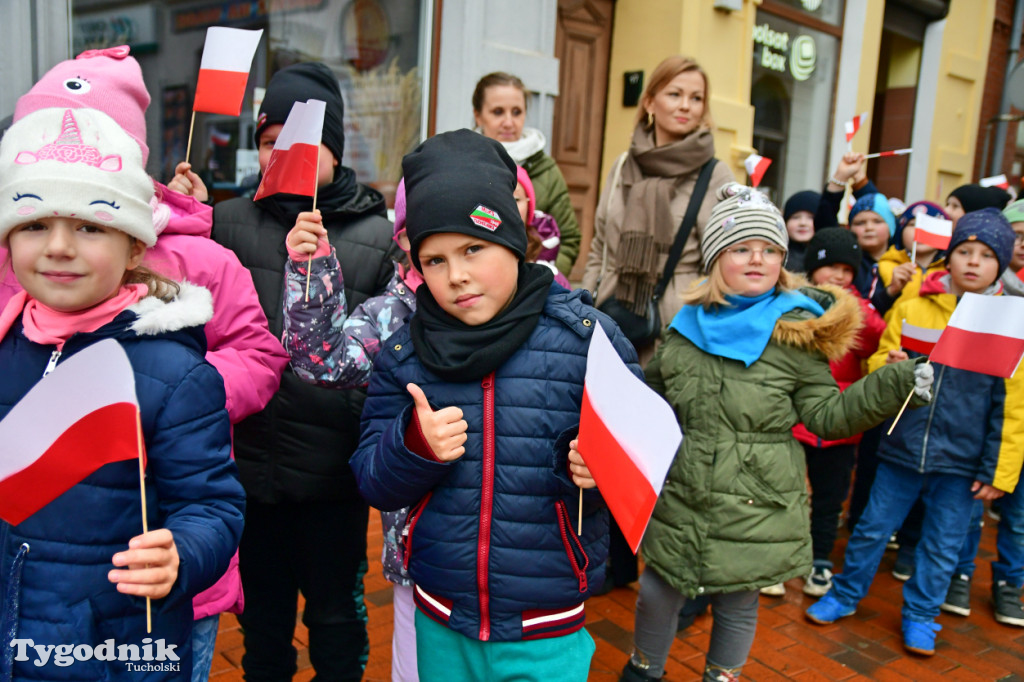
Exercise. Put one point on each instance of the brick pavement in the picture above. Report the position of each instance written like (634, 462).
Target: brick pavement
(864, 646)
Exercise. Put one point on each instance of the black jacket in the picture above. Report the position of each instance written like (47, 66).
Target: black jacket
(297, 448)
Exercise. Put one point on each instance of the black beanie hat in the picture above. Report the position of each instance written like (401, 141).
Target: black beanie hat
(801, 201)
(299, 83)
(462, 182)
(976, 197)
(830, 246)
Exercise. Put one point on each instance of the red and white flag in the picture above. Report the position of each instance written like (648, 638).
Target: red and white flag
(224, 69)
(756, 166)
(919, 339)
(81, 416)
(628, 438)
(935, 232)
(985, 334)
(995, 181)
(292, 168)
(852, 126)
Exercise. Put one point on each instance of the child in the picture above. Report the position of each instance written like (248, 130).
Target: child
(967, 446)
(901, 277)
(798, 212)
(500, 352)
(743, 362)
(872, 221)
(1011, 279)
(239, 344)
(76, 218)
(330, 348)
(293, 456)
(968, 198)
(543, 237)
(832, 258)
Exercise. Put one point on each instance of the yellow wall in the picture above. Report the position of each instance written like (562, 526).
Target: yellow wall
(904, 62)
(965, 46)
(647, 31)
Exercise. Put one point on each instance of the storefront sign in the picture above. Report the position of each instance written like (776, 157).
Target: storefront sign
(131, 26)
(778, 52)
(238, 12)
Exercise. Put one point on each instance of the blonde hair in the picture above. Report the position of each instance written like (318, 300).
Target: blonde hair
(663, 73)
(712, 290)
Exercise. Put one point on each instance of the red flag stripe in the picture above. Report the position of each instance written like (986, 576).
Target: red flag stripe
(290, 171)
(220, 92)
(938, 241)
(632, 498)
(107, 435)
(916, 345)
(991, 354)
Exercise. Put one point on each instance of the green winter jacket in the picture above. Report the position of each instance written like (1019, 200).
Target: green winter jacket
(733, 514)
(553, 198)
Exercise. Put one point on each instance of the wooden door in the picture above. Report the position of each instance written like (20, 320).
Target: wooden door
(582, 45)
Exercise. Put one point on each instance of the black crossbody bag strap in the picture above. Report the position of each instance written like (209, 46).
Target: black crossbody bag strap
(686, 227)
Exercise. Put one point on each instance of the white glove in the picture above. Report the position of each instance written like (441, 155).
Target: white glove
(924, 374)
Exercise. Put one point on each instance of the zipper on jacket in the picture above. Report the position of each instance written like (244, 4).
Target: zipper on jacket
(931, 413)
(564, 523)
(486, 508)
(52, 364)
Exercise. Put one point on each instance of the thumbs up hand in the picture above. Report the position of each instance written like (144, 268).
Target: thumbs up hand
(444, 430)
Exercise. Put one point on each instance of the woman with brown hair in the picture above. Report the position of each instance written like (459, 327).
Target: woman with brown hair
(643, 203)
(499, 109)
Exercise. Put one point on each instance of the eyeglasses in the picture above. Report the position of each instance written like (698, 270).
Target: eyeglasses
(741, 255)
(1018, 239)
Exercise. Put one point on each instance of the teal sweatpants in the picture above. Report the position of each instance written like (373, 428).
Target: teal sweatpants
(444, 655)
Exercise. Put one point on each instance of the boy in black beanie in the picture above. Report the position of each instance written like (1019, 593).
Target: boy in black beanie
(471, 419)
(305, 525)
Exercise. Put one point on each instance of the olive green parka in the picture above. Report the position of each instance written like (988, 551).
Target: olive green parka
(733, 514)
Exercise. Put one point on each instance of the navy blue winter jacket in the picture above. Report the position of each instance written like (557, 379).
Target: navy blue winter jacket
(63, 552)
(492, 543)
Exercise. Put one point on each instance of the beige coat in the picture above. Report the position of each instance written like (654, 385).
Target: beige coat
(608, 227)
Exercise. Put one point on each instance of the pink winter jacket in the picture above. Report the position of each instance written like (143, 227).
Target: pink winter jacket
(239, 342)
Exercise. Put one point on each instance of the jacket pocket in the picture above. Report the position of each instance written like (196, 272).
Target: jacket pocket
(410, 525)
(760, 487)
(573, 547)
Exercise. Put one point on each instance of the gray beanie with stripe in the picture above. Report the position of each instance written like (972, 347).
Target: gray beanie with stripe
(742, 213)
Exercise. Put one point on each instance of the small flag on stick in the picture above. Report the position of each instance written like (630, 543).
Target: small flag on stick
(985, 334)
(224, 69)
(893, 152)
(999, 181)
(919, 339)
(628, 438)
(292, 168)
(935, 232)
(853, 125)
(756, 167)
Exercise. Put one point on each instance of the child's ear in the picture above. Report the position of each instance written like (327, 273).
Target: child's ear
(136, 252)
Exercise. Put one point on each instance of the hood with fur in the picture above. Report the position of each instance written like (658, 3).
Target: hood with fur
(833, 334)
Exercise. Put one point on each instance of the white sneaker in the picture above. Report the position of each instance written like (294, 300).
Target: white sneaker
(776, 590)
(818, 582)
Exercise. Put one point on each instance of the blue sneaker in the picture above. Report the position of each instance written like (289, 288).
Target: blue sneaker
(919, 638)
(827, 610)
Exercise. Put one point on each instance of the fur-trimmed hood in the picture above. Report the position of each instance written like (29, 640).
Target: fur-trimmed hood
(191, 307)
(833, 334)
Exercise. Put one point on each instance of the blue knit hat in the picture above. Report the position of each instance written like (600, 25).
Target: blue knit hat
(989, 227)
(877, 203)
(911, 212)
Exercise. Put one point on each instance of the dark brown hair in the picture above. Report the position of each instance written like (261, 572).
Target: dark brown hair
(669, 68)
(492, 79)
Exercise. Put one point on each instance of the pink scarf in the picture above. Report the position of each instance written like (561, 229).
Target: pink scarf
(49, 327)
(411, 276)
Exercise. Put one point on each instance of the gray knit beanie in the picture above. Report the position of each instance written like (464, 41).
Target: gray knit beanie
(742, 213)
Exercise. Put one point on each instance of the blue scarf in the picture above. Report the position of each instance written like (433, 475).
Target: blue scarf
(741, 330)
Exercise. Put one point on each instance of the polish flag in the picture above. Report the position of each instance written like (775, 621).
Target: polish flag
(919, 339)
(224, 69)
(81, 416)
(756, 166)
(985, 334)
(995, 181)
(292, 168)
(628, 438)
(852, 126)
(933, 231)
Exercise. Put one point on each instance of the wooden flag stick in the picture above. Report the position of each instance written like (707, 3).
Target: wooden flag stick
(905, 403)
(145, 523)
(316, 186)
(892, 152)
(191, 126)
